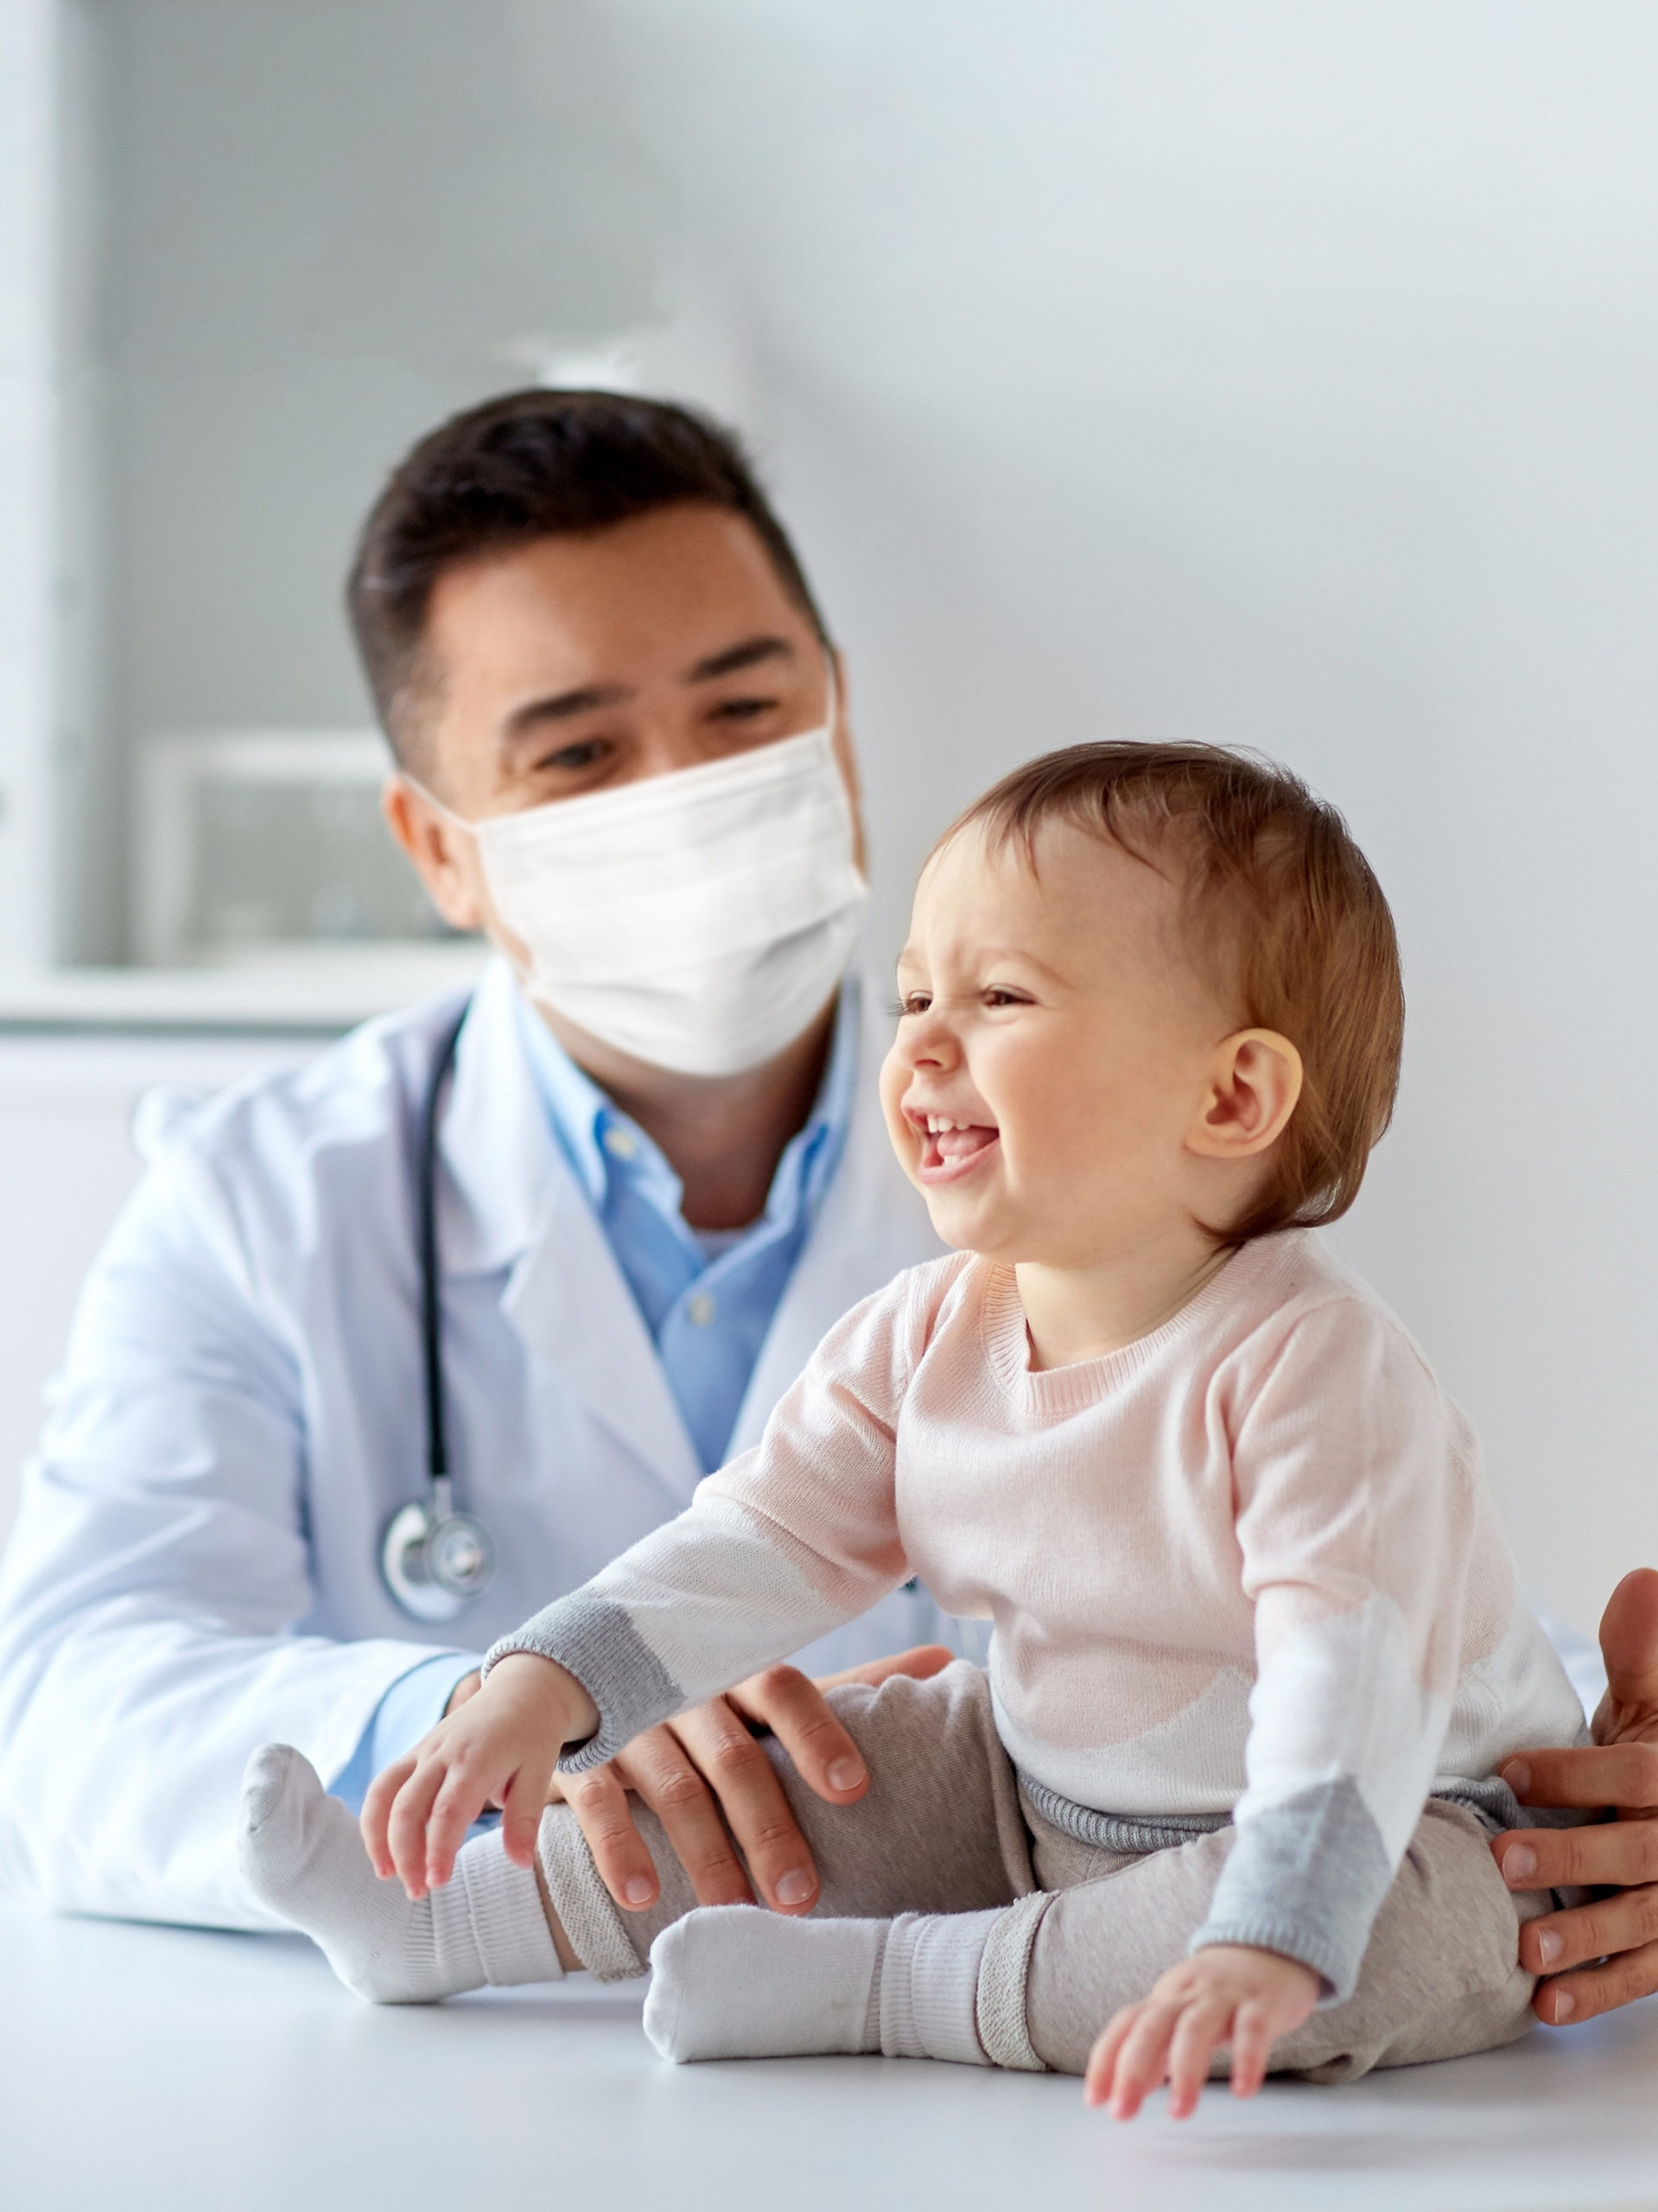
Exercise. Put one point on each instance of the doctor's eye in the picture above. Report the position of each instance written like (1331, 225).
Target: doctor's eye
(744, 710)
(571, 760)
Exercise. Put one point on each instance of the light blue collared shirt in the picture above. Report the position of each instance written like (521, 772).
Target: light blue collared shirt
(708, 1298)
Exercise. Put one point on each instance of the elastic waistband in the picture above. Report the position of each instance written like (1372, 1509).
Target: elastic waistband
(1491, 1801)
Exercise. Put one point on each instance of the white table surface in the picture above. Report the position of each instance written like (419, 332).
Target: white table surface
(146, 2066)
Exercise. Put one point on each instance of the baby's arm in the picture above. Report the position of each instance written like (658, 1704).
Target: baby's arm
(1353, 1506)
(1230, 1993)
(792, 1539)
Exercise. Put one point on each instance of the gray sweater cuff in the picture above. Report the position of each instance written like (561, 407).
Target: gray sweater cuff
(596, 1641)
(1306, 1879)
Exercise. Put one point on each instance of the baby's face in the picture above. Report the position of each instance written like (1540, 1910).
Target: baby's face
(1053, 1053)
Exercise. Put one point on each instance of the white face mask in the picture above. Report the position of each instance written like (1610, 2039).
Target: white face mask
(696, 920)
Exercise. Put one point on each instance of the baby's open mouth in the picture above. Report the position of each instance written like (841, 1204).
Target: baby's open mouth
(949, 1148)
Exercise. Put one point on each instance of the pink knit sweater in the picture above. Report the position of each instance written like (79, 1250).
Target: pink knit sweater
(1246, 1567)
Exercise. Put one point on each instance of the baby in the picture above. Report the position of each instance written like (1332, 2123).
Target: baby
(1226, 1790)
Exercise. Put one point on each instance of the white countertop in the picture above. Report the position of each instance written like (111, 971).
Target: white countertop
(324, 987)
(157, 2067)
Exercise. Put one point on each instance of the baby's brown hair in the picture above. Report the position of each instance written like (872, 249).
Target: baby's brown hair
(1280, 901)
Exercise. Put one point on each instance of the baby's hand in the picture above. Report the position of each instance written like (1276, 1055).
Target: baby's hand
(1228, 1992)
(497, 1748)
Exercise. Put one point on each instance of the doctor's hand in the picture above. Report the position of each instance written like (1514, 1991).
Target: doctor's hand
(496, 1748)
(1601, 1955)
(711, 1785)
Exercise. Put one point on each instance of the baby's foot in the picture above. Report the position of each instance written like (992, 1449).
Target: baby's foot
(302, 1855)
(733, 1981)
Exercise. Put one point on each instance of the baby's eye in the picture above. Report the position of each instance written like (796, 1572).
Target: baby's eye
(911, 1003)
(997, 997)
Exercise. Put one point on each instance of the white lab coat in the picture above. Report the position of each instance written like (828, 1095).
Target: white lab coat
(195, 1566)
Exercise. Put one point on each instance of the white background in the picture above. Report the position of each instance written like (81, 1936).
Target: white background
(1277, 374)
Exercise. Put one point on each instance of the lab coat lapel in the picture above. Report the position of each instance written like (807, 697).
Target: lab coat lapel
(568, 1300)
(510, 1199)
(871, 1224)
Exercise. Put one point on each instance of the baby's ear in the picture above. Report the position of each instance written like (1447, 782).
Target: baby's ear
(1253, 1086)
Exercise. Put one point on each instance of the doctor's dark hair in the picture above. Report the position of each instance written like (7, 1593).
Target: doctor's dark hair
(1281, 912)
(527, 466)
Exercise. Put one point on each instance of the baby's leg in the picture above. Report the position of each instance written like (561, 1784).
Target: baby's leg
(302, 1855)
(939, 1830)
(1441, 1976)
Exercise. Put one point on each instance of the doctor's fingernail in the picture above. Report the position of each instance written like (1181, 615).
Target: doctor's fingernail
(1549, 1946)
(1517, 1775)
(1519, 1862)
(845, 1773)
(795, 1887)
(639, 1891)
(1565, 2006)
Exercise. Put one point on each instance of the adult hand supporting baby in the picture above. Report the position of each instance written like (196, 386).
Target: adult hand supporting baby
(1598, 1956)
(706, 1780)
(709, 1782)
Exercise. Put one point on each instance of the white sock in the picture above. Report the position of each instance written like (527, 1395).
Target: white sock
(301, 1854)
(732, 1981)
(930, 1985)
(735, 1981)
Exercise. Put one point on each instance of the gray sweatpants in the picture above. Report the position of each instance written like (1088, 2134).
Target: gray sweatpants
(946, 1829)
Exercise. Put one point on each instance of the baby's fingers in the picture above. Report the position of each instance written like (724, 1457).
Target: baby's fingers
(1252, 2046)
(1198, 2035)
(377, 1813)
(1102, 2059)
(523, 1804)
(406, 1830)
(456, 1805)
(1143, 2061)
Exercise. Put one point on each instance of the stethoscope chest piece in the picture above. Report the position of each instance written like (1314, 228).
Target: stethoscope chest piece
(436, 1562)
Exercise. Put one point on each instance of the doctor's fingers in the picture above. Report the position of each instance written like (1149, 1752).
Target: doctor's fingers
(665, 1774)
(1569, 1998)
(798, 1715)
(599, 1801)
(1588, 1777)
(377, 1814)
(735, 1768)
(1623, 1922)
(1619, 1854)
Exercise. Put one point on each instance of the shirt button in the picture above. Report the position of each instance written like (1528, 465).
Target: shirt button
(699, 1309)
(620, 1144)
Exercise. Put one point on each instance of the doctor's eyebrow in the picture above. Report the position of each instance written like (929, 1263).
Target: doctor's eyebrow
(751, 651)
(564, 706)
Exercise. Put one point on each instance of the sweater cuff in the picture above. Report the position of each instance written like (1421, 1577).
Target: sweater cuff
(596, 1641)
(1306, 1878)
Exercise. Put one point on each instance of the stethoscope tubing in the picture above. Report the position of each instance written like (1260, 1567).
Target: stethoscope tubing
(431, 1314)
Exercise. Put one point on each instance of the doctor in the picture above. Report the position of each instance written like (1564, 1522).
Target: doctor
(659, 1175)
(266, 1503)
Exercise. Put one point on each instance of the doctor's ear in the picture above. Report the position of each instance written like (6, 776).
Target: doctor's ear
(845, 758)
(443, 857)
(1251, 1088)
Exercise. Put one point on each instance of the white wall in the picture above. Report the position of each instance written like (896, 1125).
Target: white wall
(28, 137)
(1280, 374)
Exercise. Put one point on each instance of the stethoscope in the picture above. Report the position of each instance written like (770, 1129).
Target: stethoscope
(436, 1561)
